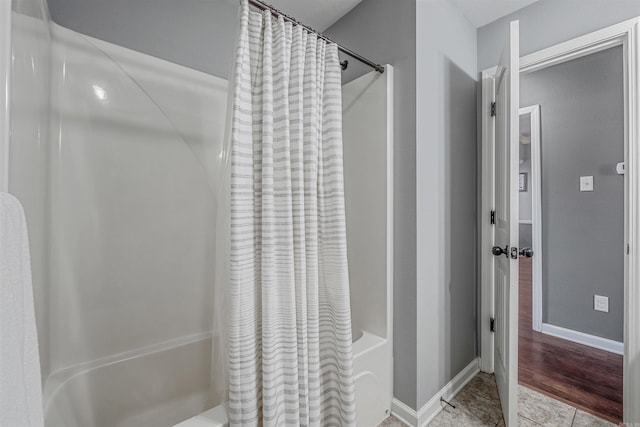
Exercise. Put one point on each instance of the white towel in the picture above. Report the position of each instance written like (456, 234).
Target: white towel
(20, 383)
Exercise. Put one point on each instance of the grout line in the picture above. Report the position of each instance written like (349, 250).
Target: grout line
(575, 408)
(573, 420)
(529, 419)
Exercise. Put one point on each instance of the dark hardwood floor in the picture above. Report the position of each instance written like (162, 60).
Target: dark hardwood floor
(584, 377)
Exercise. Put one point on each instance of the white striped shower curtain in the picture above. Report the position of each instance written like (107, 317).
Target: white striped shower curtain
(290, 357)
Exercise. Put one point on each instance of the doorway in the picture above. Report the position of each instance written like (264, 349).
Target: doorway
(571, 144)
(623, 35)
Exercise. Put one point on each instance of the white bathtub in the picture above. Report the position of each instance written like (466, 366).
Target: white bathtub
(372, 381)
(165, 384)
(155, 386)
(372, 368)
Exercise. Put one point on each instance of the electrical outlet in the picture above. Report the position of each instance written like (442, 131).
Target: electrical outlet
(601, 303)
(586, 183)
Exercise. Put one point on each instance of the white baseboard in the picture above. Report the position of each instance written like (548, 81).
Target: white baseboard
(428, 412)
(582, 338)
(404, 413)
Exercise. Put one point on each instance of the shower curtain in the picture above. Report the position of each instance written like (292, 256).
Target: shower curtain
(289, 353)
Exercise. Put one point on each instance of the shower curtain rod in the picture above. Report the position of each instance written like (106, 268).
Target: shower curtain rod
(263, 6)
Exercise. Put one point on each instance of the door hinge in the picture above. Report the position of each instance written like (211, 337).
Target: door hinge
(493, 109)
(493, 217)
(492, 324)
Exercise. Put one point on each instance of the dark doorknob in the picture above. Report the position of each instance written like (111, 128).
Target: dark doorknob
(497, 251)
(526, 252)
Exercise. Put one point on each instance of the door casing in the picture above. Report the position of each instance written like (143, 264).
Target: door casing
(535, 181)
(5, 84)
(627, 35)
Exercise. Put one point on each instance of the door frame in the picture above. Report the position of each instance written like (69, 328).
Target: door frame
(535, 185)
(5, 85)
(627, 35)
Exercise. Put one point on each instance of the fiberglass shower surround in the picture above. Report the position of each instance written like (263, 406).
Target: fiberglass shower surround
(117, 158)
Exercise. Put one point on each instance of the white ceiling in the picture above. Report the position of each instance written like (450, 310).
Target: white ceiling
(317, 14)
(321, 14)
(482, 12)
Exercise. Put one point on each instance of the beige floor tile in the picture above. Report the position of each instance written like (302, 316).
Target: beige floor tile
(478, 405)
(526, 422)
(485, 384)
(582, 419)
(447, 418)
(544, 410)
(473, 408)
(392, 422)
(460, 416)
(522, 422)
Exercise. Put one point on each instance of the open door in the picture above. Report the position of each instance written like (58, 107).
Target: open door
(506, 115)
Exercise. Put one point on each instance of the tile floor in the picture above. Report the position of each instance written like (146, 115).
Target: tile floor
(478, 405)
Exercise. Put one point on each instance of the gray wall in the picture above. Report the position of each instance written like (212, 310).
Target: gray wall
(547, 22)
(582, 232)
(446, 194)
(435, 189)
(385, 32)
(435, 183)
(196, 33)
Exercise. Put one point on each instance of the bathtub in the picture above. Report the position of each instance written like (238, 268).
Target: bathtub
(155, 386)
(117, 392)
(372, 382)
(372, 375)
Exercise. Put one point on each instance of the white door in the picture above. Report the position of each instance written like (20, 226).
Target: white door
(507, 91)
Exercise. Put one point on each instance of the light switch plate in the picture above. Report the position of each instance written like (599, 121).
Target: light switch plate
(586, 183)
(601, 303)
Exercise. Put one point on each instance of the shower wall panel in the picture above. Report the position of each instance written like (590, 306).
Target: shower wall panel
(29, 146)
(116, 157)
(133, 200)
(366, 164)
(133, 179)
(367, 111)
